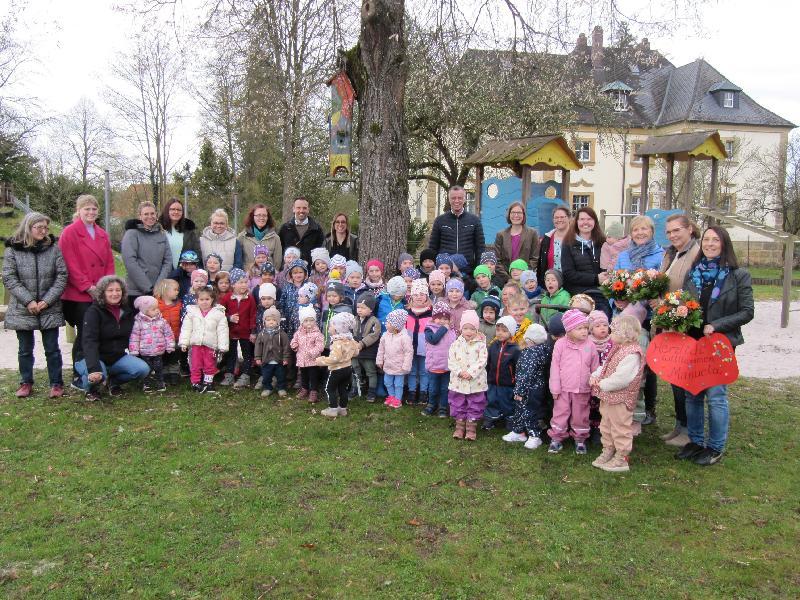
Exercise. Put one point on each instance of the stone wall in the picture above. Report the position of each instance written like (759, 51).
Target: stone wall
(759, 254)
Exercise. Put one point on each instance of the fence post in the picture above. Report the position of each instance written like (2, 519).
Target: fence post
(107, 198)
(185, 197)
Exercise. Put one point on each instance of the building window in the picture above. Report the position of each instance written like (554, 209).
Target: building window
(636, 205)
(727, 100)
(636, 159)
(730, 147)
(470, 203)
(580, 201)
(583, 150)
(621, 101)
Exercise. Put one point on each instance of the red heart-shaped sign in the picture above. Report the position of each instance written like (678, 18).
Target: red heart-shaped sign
(694, 365)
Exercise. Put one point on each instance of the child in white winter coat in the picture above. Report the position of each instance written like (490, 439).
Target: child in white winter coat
(395, 353)
(151, 337)
(205, 333)
(467, 359)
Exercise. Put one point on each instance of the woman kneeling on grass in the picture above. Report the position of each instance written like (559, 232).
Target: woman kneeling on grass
(107, 327)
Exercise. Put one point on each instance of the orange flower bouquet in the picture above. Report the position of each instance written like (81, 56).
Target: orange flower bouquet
(617, 286)
(678, 311)
(647, 284)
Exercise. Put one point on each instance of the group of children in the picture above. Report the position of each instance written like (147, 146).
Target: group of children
(458, 344)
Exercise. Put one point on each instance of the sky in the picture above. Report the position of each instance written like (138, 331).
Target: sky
(73, 44)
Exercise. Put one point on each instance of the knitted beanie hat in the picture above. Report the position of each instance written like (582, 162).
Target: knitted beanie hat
(482, 270)
(470, 317)
(527, 276)
(267, 267)
(272, 313)
(596, 317)
(396, 286)
(338, 261)
(309, 289)
(427, 254)
(368, 300)
(615, 230)
(335, 286)
(374, 262)
(199, 275)
(352, 267)
(536, 333)
(267, 290)
(518, 264)
(320, 254)
(557, 274)
(411, 273)
(509, 323)
(142, 303)
(419, 286)
(291, 251)
(455, 284)
(343, 322)
(442, 259)
(404, 256)
(295, 264)
(459, 260)
(397, 318)
(306, 312)
(491, 301)
(556, 325)
(260, 249)
(441, 309)
(436, 275)
(189, 256)
(488, 257)
(237, 275)
(574, 318)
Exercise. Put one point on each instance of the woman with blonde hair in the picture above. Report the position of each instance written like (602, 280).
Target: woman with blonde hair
(220, 239)
(145, 252)
(35, 274)
(87, 254)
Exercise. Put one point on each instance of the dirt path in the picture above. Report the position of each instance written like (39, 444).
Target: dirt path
(769, 352)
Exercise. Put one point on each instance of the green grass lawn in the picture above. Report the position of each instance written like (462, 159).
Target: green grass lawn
(239, 497)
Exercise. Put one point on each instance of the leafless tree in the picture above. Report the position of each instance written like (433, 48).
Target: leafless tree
(87, 140)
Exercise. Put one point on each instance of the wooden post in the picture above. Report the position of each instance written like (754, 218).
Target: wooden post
(712, 196)
(686, 201)
(670, 180)
(565, 186)
(645, 184)
(526, 185)
(478, 188)
(788, 255)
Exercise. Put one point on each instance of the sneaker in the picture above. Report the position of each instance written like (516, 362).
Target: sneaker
(228, 379)
(605, 456)
(689, 451)
(24, 390)
(160, 386)
(679, 440)
(147, 387)
(56, 391)
(77, 384)
(649, 418)
(242, 382)
(534, 441)
(208, 388)
(580, 447)
(555, 447)
(313, 397)
(443, 414)
(198, 387)
(331, 412)
(513, 436)
(488, 424)
(389, 401)
(618, 464)
(342, 411)
(114, 390)
(93, 393)
(427, 411)
(266, 393)
(707, 458)
(396, 403)
(259, 384)
(371, 397)
(282, 393)
(668, 436)
(302, 394)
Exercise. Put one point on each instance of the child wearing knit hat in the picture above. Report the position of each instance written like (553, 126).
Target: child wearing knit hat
(374, 279)
(457, 302)
(393, 298)
(353, 282)
(574, 360)
(367, 333)
(468, 382)
(439, 336)
(151, 337)
(489, 311)
(483, 281)
(419, 314)
(339, 363)
(395, 355)
(260, 258)
(240, 310)
(320, 270)
(404, 261)
(517, 268)
(288, 305)
(436, 283)
(599, 335)
(272, 352)
(501, 368)
(427, 262)
(308, 344)
(199, 280)
(335, 300)
(554, 293)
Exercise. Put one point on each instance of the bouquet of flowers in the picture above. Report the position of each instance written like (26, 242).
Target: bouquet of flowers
(678, 311)
(617, 286)
(647, 284)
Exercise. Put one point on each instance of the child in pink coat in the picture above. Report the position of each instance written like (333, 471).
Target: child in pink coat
(151, 337)
(574, 359)
(395, 353)
(308, 343)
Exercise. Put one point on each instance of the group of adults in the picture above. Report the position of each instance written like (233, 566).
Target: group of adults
(73, 278)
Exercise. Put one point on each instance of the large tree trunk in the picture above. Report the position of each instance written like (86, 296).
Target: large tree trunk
(380, 81)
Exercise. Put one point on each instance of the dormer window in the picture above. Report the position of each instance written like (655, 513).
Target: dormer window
(620, 94)
(727, 100)
(726, 94)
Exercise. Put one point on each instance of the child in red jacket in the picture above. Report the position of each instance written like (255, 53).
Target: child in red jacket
(240, 310)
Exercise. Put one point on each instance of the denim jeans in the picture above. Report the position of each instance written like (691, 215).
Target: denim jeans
(268, 371)
(126, 369)
(679, 395)
(418, 377)
(394, 384)
(51, 351)
(437, 390)
(717, 399)
(500, 403)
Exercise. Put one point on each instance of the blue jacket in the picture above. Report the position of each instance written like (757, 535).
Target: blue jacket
(651, 261)
(385, 306)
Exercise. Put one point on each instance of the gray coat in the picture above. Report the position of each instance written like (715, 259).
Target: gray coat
(34, 274)
(733, 308)
(146, 255)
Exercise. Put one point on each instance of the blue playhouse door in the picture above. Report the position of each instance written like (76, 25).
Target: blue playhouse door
(497, 194)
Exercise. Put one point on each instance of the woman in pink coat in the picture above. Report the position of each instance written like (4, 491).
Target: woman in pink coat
(87, 252)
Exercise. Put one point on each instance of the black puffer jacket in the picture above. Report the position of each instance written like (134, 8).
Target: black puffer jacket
(105, 339)
(501, 366)
(461, 234)
(580, 264)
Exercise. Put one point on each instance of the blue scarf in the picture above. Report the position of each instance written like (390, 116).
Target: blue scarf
(260, 233)
(708, 272)
(639, 252)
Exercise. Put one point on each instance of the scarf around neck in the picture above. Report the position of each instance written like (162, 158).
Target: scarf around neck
(639, 252)
(708, 272)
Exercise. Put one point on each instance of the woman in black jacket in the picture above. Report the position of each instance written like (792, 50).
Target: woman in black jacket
(726, 298)
(181, 231)
(107, 327)
(580, 258)
(340, 240)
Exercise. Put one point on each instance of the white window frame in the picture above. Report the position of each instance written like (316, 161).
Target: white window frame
(727, 99)
(575, 207)
(730, 148)
(636, 204)
(621, 101)
(581, 147)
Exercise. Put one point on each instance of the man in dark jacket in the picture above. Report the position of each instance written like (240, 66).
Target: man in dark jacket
(458, 231)
(301, 231)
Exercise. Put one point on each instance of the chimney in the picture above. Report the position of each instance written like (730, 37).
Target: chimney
(597, 47)
(581, 45)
